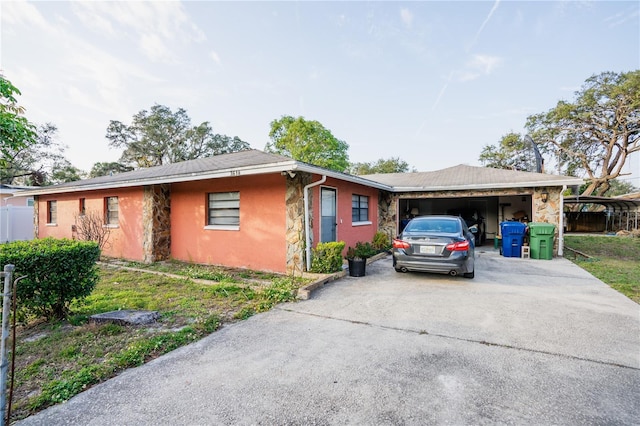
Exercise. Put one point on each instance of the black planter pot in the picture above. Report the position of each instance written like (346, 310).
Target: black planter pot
(357, 267)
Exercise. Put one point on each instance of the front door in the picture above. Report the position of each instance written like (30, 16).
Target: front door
(327, 215)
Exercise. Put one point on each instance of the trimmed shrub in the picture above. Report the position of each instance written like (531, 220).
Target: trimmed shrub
(327, 257)
(58, 272)
(381, 242)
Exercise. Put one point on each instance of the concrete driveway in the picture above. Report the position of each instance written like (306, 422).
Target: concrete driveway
(525, 342)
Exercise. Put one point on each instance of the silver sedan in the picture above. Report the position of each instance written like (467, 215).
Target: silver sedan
(440, 244)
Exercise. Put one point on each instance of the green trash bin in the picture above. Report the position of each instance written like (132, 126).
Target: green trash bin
(541, 236)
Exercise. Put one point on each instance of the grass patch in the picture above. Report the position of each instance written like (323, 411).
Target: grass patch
(615, 260)
(57, 360)
(205, 272)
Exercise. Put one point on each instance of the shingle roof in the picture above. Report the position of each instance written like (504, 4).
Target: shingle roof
(259, 162)
(236, 160)
(469, 177)
(249, 162)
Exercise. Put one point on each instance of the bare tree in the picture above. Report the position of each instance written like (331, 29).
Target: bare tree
(90, 227)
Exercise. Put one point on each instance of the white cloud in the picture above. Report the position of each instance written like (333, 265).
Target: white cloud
(213, 55)
(407, 17)
(476, 67)
(155, 48)
(484, 64)
(159, 28)
(622, 18)
(22, 13)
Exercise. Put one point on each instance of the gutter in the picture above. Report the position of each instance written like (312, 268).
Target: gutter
(306, 219)
(561, 224)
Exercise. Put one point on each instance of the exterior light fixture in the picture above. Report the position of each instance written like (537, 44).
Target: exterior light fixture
(544, 196)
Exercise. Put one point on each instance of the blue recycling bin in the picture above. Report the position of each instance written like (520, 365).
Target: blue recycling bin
(512, 238)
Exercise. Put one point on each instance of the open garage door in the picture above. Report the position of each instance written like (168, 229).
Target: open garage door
(485, 211)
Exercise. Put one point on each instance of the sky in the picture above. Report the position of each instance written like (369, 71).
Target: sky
(428, 82)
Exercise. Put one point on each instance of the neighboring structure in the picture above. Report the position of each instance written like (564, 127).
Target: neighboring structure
(16, 214)
(7, 196)
(264, 211)
(603, 214)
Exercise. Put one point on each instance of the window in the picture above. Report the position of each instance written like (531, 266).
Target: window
(359, 208)
(52, 211)
(111, 210)
(224, 209)
(82, 208)
(30, 202)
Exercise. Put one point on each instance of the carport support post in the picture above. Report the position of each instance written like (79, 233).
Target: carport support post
(6, 307)
(561, 223)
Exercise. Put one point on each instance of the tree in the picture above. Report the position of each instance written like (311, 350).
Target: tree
(63, 171)
(591, 136)
(107, 169)
(308, 141)
(42, 162)
(595, 134)
(391, 165)
(513, 152)
(160, 136)
(16, 132)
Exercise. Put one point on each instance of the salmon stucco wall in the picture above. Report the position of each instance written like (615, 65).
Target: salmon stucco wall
(125, 239)
(260, 241)
(346, 230)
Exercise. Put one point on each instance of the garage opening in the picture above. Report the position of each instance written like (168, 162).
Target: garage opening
(486, 212)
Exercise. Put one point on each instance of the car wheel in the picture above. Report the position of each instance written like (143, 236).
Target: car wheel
(470, 274)
(398, 269)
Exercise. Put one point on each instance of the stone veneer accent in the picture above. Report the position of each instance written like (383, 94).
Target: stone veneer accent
(36, 216)
(387, 214)
(295, 235)
(156, 223)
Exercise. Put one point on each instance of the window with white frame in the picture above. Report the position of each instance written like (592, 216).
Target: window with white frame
(359, 208)
(223, 209)
(111, 210)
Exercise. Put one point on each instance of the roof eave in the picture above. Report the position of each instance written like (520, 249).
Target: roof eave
(303, 167)
(506, 185)
(230, 172)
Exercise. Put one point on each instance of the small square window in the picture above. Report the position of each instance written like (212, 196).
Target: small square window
(359, 208)
(223, 209)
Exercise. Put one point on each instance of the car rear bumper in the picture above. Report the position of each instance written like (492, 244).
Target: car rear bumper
(459, 265)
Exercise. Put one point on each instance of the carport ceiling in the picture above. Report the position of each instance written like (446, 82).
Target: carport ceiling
(619, 204)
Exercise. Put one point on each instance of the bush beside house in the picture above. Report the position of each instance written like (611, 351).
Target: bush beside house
(58, 271)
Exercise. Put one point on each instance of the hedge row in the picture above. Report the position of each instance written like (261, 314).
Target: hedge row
(58, 271)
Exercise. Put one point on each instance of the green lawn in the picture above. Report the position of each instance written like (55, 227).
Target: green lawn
(614, 260)
(57, 360)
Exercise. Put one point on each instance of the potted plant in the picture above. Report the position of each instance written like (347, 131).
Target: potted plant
(357, 258)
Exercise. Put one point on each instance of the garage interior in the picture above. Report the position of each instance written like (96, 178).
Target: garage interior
(494, 209)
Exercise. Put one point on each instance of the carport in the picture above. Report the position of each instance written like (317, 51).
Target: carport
(495, 195)
(601, 214)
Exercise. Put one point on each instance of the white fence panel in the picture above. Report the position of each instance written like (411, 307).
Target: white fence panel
(16, 223)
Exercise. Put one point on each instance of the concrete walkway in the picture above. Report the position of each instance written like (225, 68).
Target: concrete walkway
(525, 342)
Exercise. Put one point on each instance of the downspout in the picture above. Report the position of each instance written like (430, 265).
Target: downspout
(306, 219)
(561, 224)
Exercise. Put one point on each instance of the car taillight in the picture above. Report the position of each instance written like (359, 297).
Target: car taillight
(399, 244)
(458, 246)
